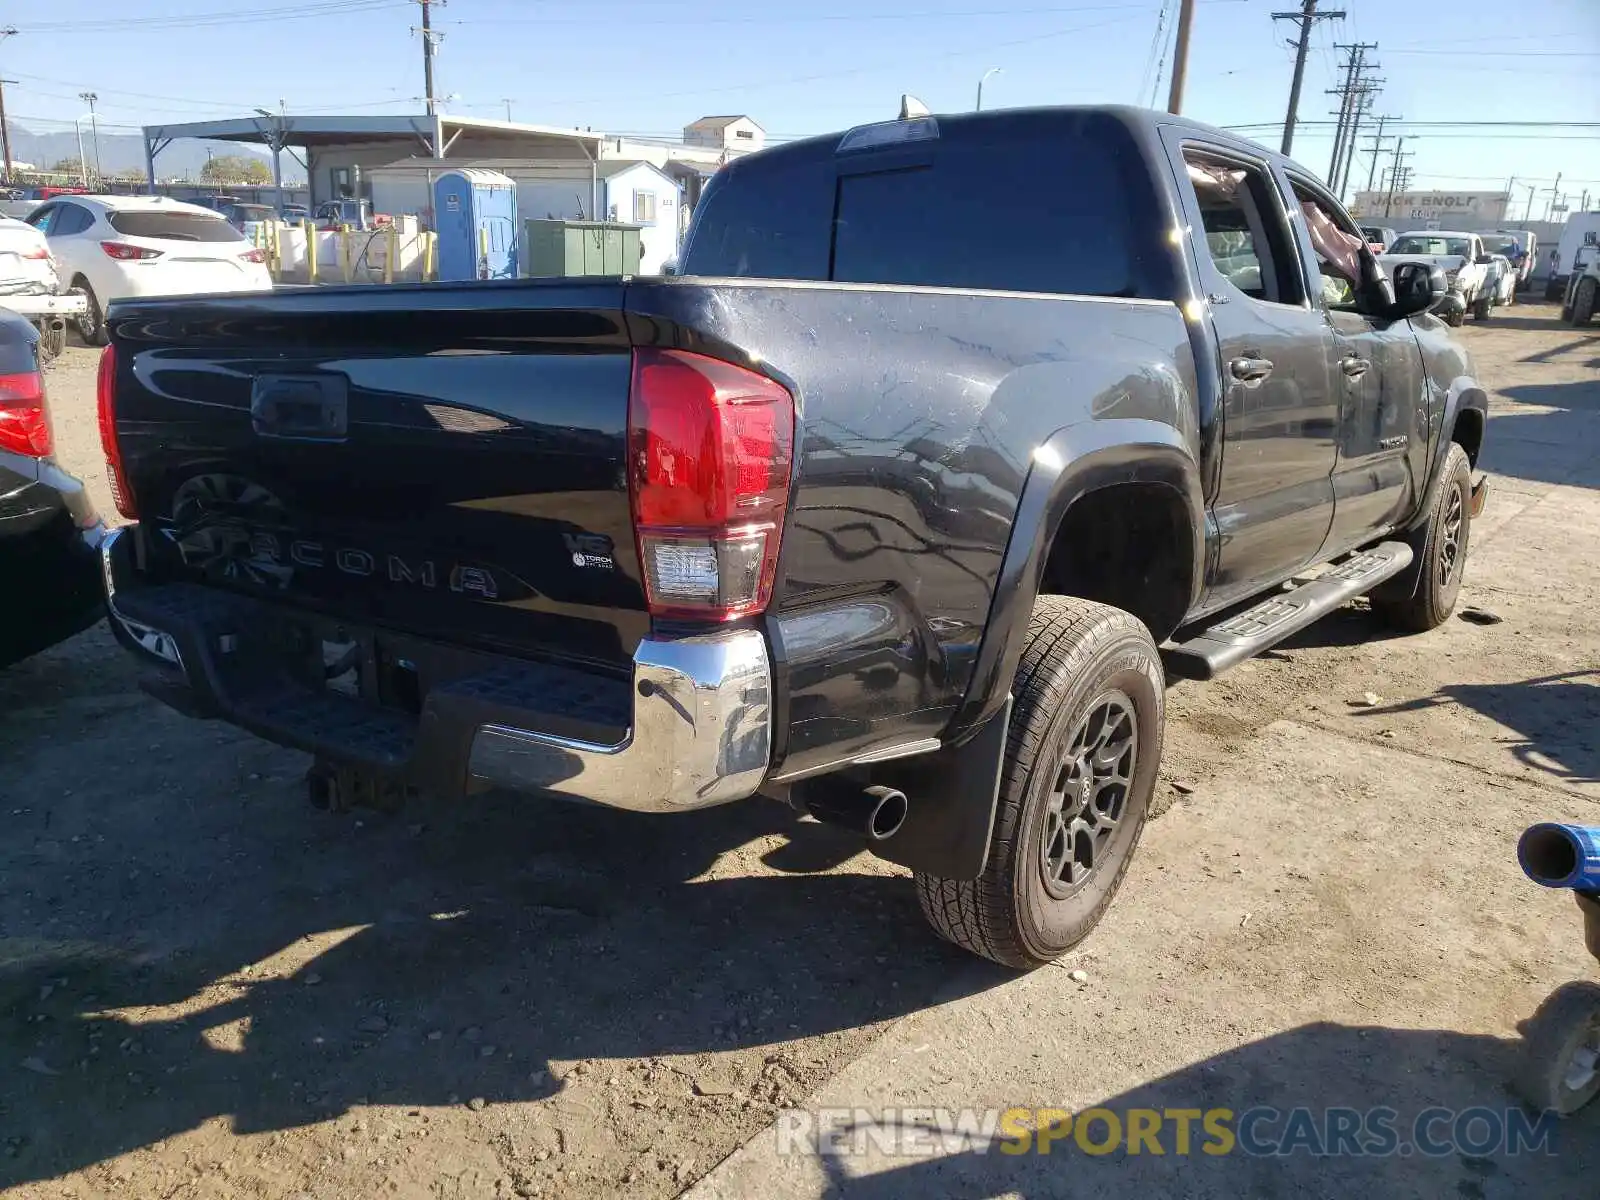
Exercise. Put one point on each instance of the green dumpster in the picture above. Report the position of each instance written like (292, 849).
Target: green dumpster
(580, 248)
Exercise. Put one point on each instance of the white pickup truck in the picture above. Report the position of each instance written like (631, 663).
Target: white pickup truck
(1465, 262)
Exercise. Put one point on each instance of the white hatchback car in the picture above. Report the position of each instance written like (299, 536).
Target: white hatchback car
(112, 247)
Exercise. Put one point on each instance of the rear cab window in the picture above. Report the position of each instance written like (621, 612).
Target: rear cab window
(1041, 202)
(173, 226)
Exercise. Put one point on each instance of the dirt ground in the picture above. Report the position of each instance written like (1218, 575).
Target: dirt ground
(208, 988)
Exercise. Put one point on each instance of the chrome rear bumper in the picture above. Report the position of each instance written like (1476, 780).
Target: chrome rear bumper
(701, 733)
(692, 729)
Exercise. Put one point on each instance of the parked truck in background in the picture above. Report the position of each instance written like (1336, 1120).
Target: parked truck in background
(1468, 268)
(1581, 229)
(877, 508)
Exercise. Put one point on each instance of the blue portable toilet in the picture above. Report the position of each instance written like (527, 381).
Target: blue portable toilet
(475, 215)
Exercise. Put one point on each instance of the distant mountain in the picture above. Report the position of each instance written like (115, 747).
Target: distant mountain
(121, 151)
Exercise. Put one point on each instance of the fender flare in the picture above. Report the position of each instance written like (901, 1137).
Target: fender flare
(1465, 395)
(1070, 464)
(953, 791)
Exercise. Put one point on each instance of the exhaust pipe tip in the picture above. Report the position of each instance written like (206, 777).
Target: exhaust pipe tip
(888, 813)
(875, 812)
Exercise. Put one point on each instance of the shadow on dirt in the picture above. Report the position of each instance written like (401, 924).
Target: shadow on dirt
(504, 935)
(1556, 719)
(1277, 1153)
(1553, 446)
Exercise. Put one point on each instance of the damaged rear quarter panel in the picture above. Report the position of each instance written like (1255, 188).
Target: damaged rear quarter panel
(919, 411)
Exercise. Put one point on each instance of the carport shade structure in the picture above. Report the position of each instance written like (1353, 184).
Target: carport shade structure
(410, 137)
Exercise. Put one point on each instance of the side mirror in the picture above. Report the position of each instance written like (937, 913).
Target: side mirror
(1484, 260)
(1418, 288)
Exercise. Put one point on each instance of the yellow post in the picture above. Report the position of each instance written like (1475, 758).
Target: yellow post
(430, 257)
(483, 252)
(311, 250)
(389, 252)
(344, 252)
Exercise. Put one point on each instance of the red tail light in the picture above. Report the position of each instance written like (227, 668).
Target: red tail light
(123, 252)
(106, 406)
(710, 447)
(37, 253)
(254, 256)
(24, 420)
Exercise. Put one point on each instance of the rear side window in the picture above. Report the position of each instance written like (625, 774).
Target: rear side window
(1019, 214)
(174, 226)
(72, 218)
(1245, 232)
(767, 222)
(1034, 204)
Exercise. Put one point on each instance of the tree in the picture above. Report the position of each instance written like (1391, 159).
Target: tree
(130, 175)
(235, 168)
(67, 166)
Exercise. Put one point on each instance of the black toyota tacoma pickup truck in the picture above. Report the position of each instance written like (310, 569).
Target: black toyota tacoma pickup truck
(955, 437)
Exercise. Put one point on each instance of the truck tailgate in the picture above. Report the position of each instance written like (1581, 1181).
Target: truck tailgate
(441, 460)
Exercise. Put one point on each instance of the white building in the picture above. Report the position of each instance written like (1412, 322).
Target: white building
(736, 134)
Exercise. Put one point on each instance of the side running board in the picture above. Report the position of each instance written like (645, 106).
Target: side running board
(1245, 634)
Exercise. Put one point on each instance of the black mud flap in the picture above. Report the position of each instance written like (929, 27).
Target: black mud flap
(952, 795)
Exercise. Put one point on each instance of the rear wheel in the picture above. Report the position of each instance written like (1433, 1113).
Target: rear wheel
(1483, 306)
(1560, 1069)
(1441, 550)
(1082, 754)
(92, 325)
(1583, 302)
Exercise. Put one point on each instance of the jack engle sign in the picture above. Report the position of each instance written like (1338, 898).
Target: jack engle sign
(1426, 206)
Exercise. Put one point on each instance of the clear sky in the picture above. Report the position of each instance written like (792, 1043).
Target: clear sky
(651, 66)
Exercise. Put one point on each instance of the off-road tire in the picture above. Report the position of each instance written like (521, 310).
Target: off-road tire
(1456, 320)
(1434, 598)
(92, 325)
(1583, 303)
(1551, 1039)
(1077, 655)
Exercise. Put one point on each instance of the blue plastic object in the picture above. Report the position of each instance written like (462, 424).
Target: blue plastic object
(1561, 856)
(475, 215)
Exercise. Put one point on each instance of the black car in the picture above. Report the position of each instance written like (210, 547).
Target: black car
(49, 532)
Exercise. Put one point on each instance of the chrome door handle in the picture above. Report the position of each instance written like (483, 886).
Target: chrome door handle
(1355, 368)
(1250, 370)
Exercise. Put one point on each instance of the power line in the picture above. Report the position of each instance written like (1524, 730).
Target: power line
(1511, 53)
(204, 20)
(814, 18)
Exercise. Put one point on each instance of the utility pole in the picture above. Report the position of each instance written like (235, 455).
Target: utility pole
(1553, 189)
(1354, 95)
(1394, 174)
(89, 98)
(506, 100)
(1180, 56)
(10, 31)
(5, 129)
(430, 40)
(1307, 16)
(1365, 95)
(1377, 148)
